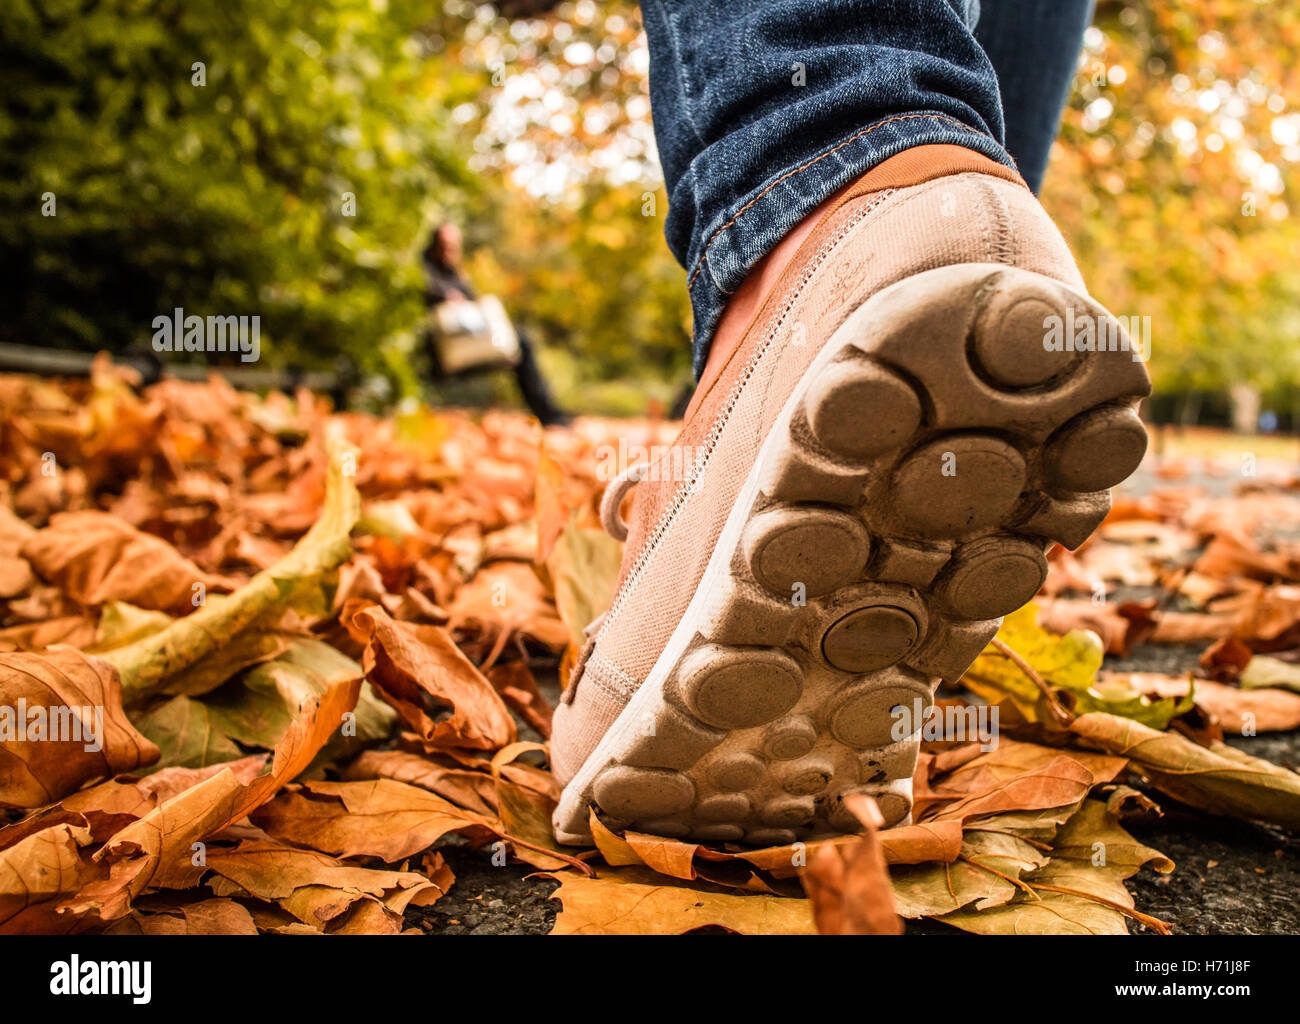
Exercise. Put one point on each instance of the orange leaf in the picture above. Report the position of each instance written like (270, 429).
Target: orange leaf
(409, 663)
(94, 557)
(61, 725)
(848, 883)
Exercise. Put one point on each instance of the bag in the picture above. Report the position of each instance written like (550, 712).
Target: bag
(474, 335)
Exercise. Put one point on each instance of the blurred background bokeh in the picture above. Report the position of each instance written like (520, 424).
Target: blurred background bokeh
(290, 159)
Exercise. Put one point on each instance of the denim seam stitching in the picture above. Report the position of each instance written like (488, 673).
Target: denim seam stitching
(803, 167)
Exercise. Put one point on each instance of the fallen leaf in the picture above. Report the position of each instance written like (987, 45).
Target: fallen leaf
(634, 901)
(1225, 659)
(156, 849)
(414, 666)
(62, 725)
(35, 873)
(147, 664)
(203, 917)
(583, 568)
(257, 709)
(1062, 615)
(1242, 711)
(848, 885)
(526, 813)
(515, 682)
(1230, 554)
(1070, 662)
(187, 734)
(1218, 779)
(472, 790)
(1061, 781)
(382, 818)
(94, 557)
(312, 886)
(1078, 889)
(1262, 671)
(504, 600)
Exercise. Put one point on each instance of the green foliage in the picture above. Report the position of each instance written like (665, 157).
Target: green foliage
(557, 115)
(595, 280)
(1174, 182)
(229, 197)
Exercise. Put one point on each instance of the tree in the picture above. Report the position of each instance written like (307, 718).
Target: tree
(1171, 181)
(252, 158)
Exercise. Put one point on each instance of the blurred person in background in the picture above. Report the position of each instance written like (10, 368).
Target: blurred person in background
(471, 333)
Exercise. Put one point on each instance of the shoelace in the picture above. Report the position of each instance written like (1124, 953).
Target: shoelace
(612, 500)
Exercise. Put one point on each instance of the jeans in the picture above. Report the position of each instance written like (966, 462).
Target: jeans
(764, 108)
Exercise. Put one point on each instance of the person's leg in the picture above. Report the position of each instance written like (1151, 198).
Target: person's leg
(1034, 47)
(764, 108)
(533, 386)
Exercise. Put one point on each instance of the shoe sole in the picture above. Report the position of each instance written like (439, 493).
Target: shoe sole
(902, 503)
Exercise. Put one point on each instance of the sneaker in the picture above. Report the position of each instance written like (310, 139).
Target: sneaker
(924, 400)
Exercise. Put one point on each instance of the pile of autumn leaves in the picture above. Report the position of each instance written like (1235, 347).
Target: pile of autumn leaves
(314, 638)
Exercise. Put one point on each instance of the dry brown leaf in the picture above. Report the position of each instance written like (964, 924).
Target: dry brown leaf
(62, 725)
(36, 873)
(1016, 776)
(1192, 627)
(1268, 620)
(1230, 554)
(156, 850)
(515, 682)
(504, 600)
(925, 841)
(382, 818)
(368, 917)
(413, 666)
(676, 858)
(94, 557)
(115, 803)
(1064, 781)
(848, 884)
(15, 571)
(526, 813)
(472, 790)
(1218, 779)
(634, 901)
(204, 917)
(975, 771)
(312, 886)
(1225, 659)
(440, 874)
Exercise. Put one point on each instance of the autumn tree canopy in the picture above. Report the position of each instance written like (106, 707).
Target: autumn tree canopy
(290, 159)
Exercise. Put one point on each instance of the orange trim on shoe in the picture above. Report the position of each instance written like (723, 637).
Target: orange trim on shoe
(911, 167)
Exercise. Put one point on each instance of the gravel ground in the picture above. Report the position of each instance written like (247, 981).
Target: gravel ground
(1230, 877)
(489, 900)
